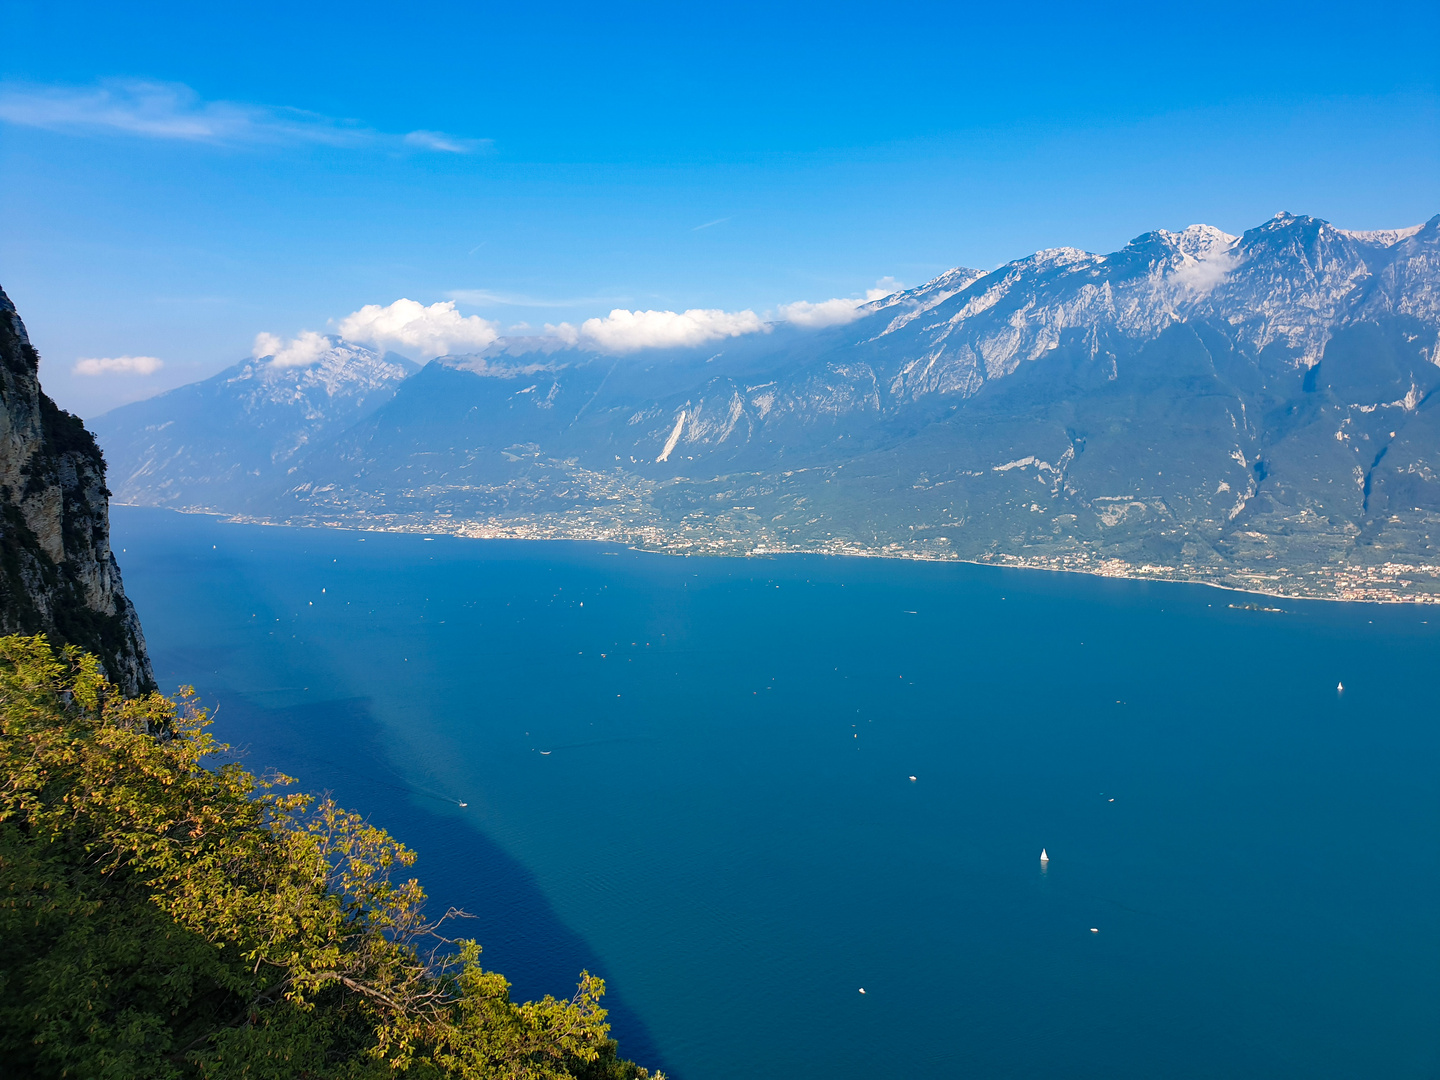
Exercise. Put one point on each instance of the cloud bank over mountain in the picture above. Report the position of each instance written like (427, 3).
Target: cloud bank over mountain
(836, 312)
(412, 328)
(627, 331)
(300, 351)
(415, 330)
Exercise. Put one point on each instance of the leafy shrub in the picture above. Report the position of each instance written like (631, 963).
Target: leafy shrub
(166, 915)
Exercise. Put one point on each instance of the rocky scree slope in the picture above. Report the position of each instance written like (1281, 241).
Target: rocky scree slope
(58, 575)
(1255, 411)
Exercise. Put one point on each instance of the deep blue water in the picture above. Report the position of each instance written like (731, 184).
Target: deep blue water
(725, 828)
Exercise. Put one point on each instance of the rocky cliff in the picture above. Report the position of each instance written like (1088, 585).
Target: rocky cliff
(58, 575)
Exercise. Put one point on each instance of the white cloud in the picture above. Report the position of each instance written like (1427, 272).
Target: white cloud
(300, 351)
(423, 332)
(159, 110)
(626, 331)
(886, 286)
(118, 365)
(1200, 276)
(410, 327)
(836, 312)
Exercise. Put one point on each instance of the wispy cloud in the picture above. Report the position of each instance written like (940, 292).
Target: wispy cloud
(445, 144)
(709, 224)
(118, 365)
(173, 111)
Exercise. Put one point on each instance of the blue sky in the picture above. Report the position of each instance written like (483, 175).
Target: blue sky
(177, 181)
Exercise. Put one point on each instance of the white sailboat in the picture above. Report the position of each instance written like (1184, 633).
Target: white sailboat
(1043, 857)
(1339, 687)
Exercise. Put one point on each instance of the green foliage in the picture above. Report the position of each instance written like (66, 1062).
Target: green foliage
(160, 917)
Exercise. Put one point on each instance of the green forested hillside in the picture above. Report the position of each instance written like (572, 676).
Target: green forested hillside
(163, 914)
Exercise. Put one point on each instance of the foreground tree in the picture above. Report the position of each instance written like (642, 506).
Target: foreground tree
(163, 918)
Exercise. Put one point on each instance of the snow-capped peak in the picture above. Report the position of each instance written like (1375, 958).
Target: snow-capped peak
(342, 370)
(1058, 256)
(919, 300)
(1202, 242)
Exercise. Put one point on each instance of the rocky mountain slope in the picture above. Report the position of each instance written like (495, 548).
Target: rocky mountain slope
(217, 441)
(1255, 411)
(57, 572)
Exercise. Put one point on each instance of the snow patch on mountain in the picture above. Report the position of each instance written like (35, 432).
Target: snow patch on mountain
(336, 370)
(1291, 283)
(920, 300)
(1201, 242)
(1383, 237)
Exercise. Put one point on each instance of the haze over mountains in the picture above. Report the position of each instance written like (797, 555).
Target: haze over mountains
(1255, 411)
(220, 442)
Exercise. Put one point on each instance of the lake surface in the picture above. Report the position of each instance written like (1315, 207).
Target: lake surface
(694, 777)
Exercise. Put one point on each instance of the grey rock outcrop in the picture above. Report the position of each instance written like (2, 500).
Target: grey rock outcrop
(58, 575)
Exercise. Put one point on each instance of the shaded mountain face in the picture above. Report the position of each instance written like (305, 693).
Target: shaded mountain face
(1254, 411)
(218, 441)
(58, 575)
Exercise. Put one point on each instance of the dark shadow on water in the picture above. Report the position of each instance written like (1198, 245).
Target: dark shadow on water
(337, 747)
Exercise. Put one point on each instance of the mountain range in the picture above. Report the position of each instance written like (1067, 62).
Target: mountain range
(1254, 411)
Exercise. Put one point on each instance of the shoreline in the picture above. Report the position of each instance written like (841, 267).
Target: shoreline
(1114, 568)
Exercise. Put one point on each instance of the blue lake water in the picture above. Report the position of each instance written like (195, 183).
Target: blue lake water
(692, 776)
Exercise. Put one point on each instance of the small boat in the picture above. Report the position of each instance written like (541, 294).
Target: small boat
(1043, 856)
(1339, 687)
(464, 804)
(862, 989)
(912, 779)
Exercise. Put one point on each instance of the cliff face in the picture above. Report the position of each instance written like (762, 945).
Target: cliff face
(58, 575)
